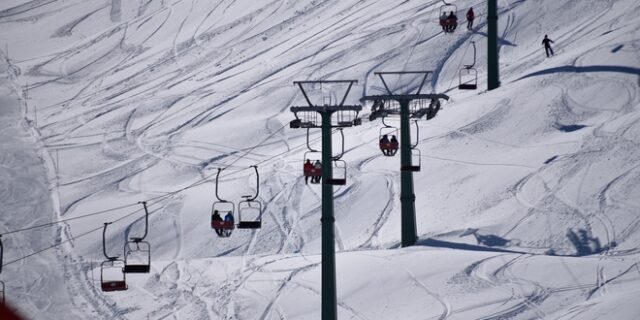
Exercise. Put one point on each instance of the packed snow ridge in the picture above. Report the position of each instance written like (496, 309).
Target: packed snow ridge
(527, 203)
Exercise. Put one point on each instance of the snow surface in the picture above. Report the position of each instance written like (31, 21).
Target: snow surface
(527, 203)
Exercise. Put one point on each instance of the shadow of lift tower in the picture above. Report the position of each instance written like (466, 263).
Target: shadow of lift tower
(407, 107)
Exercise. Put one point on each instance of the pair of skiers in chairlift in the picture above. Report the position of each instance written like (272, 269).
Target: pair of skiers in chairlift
(217, 217)
(389, 147)
(309, 169)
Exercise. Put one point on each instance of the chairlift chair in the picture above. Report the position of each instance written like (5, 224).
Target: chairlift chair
(137, 252)
(468, 81)
(112, 275)
(339, 173)
(389, 146)
(223, 227)
(339, 176)
(444, 19)
(469, 74)
(250, 210)
(312, 171)
(415, 161)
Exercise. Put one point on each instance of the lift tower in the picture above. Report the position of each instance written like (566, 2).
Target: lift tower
(493, 50)
(332, 115)
(411, 106)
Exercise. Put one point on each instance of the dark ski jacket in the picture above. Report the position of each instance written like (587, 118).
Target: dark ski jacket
(470, 15)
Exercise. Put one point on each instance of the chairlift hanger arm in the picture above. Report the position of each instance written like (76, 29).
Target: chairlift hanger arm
(474, 57)
(417, 135)
(146, 223)
(249, 198)
(217, 178)
(309, 145)
(341, 152)
(1, 253)
(104, 242)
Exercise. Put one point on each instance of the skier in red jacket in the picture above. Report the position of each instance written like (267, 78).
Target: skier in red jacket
(470, 16)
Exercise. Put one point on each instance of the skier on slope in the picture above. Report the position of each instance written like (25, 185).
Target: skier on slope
(547, 45)
(470, 16)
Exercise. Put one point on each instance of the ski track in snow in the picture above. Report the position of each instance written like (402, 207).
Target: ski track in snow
(170, 94)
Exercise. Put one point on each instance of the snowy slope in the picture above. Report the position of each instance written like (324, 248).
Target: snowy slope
(527, 202)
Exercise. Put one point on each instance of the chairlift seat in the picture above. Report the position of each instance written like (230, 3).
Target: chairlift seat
(223, 225)
(108, 281)
(313, 172)
(141, 256)
(250, 224)
(336, 182)
(468, 86)
(110, 286)
(137, 268)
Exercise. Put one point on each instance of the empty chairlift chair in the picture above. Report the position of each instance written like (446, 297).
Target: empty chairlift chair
(339, 177)
(250, 210)
(469, 74)
(222, 219)
(416, 156)
(137, 252)
(339, 169)
(112, 276)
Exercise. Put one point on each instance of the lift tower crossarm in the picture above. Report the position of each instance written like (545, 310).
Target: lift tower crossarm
(424, 79)
(306, 97)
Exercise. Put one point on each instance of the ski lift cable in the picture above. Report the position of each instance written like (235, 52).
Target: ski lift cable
(157, 198)
(55, 245)
(48, 224)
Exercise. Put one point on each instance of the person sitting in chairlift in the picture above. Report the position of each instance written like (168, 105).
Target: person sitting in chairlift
(216, 217)
(393, 147)
(307, 168)
(228, 217)
(443, 21)
(452, 22)
(318, 174)
(384, 144)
